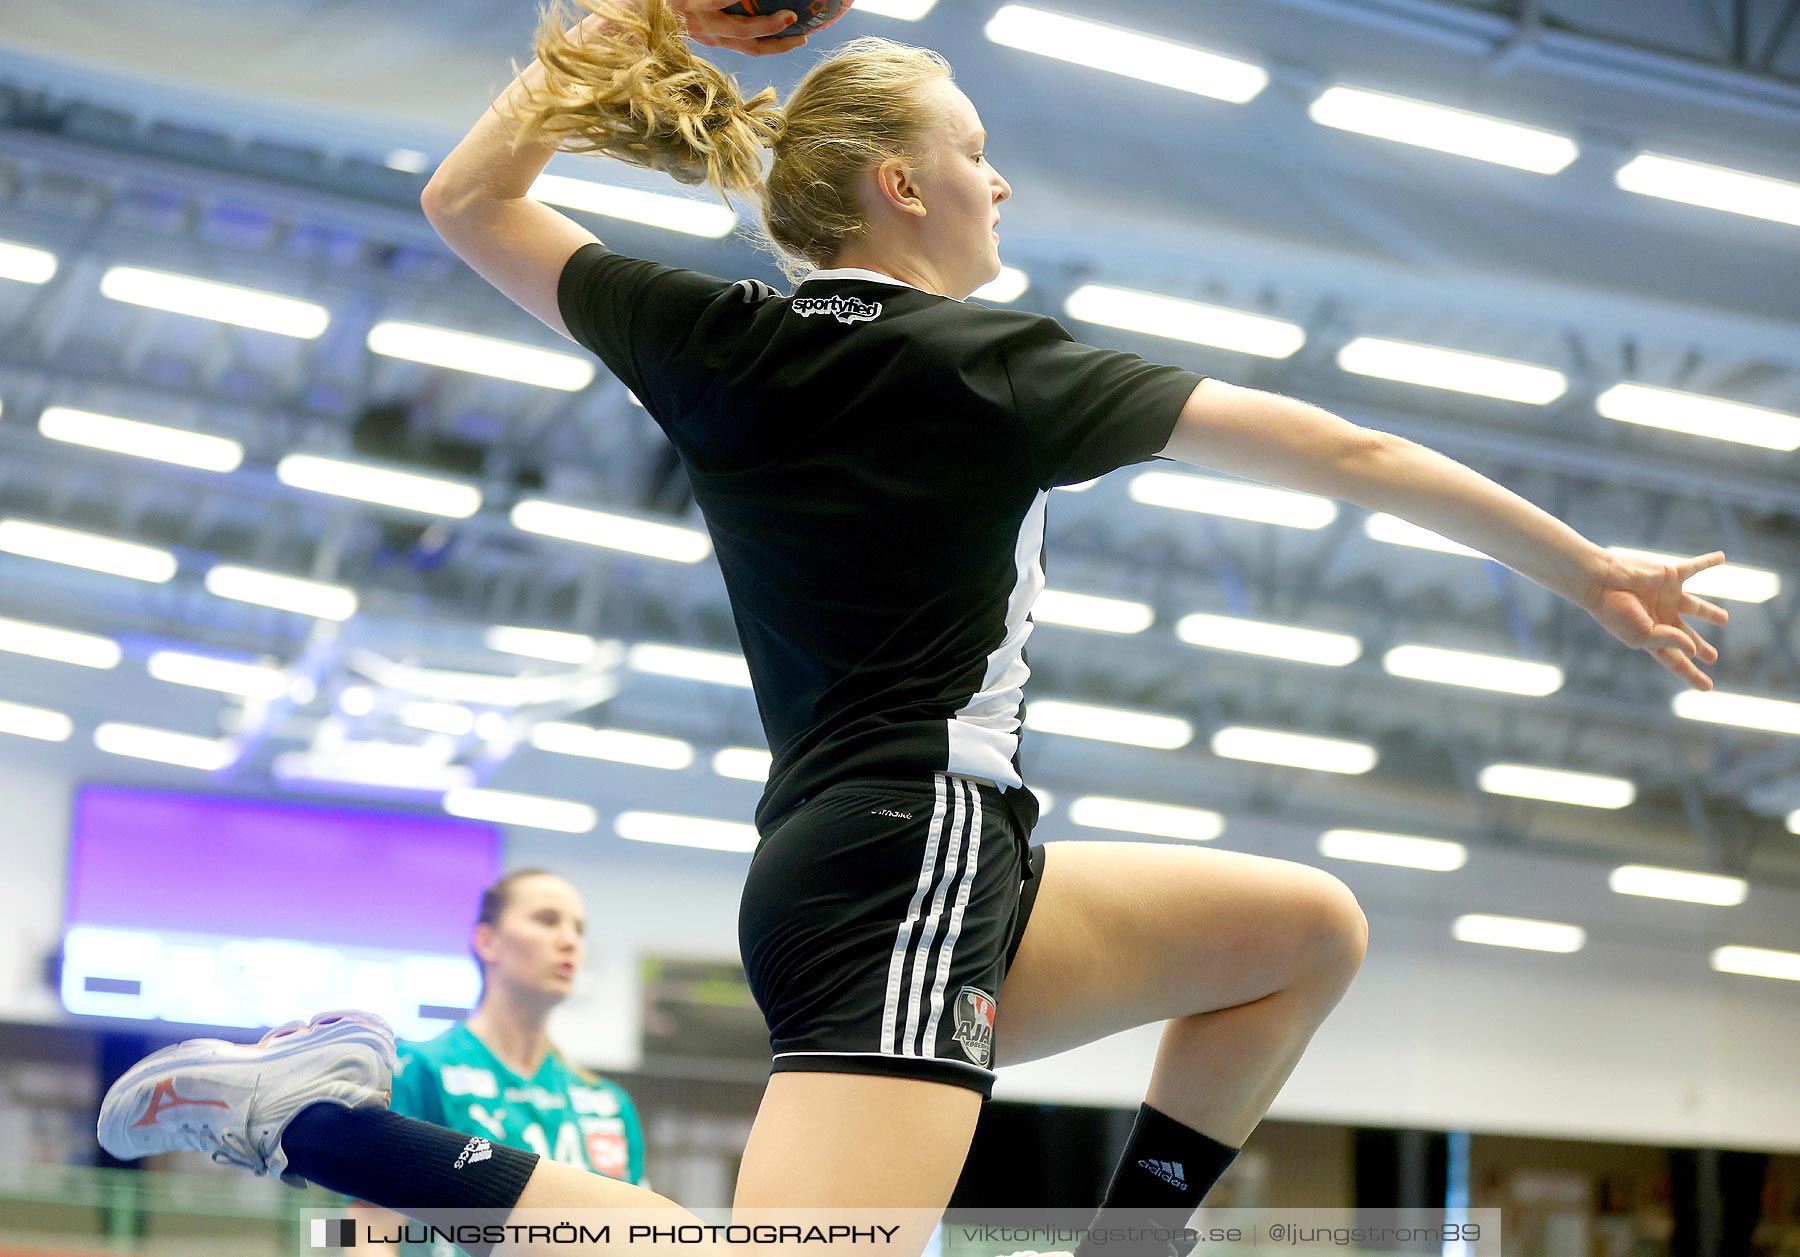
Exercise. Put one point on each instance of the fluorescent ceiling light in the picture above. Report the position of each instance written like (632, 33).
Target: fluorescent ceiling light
(383, 486)
(140, 440)
(654, 209)
(25, 264)
(1011, 284)
(35, 722)
(547, 644)
(1713, 187)
(1452, 369)
(356, 701)
(1402, 850)
(284, 593)
(1294, 750)
(685, 831)
(1101, 47)
(1399, 532)
(482, 355)
(451, 719)
(1757, 962)
(1086, 611)
(82, 549)
(1133, 816)
(1231, 498)
(1082, 487)
(1446, 130)
(1108, 724)
(715, 666)
(1475, 671)
(409, 161)
(617, 745)
(353, 764)
(1045, 800)
(528, 810)
(181, 749)
(1557, 785)
(905, 10)
(1771, 715)
(1520, 932)
(1192, 321)
(221, 303)
(1730, 582)
(1276, 641)
(613, 532)
(63, 645)
(1793, 821)
(248, 680)
(1696, 415)
(1660, 883)
(742, 763)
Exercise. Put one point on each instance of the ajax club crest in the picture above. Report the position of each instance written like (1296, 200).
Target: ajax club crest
(975, 1024)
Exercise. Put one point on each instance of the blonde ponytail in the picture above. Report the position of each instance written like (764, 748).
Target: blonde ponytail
(638, 93)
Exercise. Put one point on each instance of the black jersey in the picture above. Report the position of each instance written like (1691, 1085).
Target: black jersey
(873, 462)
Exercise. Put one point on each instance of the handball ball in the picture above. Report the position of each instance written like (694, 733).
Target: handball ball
(809, 15)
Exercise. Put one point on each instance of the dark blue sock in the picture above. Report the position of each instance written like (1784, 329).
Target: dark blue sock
(436, 1175)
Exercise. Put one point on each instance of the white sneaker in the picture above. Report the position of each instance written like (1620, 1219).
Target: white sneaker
(207, 1095)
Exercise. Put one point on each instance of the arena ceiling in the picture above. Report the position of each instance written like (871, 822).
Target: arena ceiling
(260, 154)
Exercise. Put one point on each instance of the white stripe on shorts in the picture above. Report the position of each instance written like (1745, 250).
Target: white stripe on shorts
(890, 1013)
(971, 854)
(940, 895)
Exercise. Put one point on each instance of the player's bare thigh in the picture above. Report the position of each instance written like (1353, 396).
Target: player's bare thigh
(1124, 934)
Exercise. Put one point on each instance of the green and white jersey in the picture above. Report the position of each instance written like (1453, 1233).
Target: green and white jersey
(455, 1081)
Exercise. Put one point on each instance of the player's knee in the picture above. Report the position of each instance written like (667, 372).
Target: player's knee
(1336, 929)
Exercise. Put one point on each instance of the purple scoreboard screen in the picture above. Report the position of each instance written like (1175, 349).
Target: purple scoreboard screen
(181, 905)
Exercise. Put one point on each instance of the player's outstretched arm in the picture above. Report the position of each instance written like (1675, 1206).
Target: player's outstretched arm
(1280, 441)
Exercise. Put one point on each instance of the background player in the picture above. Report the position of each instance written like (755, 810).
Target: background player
(497, 1074)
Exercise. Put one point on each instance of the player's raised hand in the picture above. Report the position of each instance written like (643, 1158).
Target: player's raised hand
(1642, 603)
(709, 24)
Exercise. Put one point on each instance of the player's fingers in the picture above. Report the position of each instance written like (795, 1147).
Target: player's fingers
(1701, 609)
(1700, 563)
(769, 47)
(1683, 667)
(1673, 637)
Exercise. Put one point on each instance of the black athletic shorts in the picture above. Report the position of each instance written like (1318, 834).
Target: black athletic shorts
(878, 921)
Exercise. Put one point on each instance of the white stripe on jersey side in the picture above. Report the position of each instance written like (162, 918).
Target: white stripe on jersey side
(939, 897)
(984, 734)
(941, 985)
(890, 1012)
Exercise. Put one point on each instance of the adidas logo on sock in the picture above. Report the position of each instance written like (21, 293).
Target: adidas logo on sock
(475, 1150)
(1169, 1172)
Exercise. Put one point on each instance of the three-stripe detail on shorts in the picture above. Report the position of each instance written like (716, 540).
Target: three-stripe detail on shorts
(925, 943)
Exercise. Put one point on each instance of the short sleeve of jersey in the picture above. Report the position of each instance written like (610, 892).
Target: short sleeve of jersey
(662, 330)
(1088, 411)
(418, 1093)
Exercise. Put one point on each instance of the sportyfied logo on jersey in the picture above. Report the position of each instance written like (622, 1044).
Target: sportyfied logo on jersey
(975, 1024)
(844, 309)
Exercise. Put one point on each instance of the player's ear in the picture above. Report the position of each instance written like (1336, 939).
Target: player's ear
(896, 188)
(483, 943)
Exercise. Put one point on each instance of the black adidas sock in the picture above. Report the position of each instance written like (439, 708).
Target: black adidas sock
(1164, 1174)
(415, 1168)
